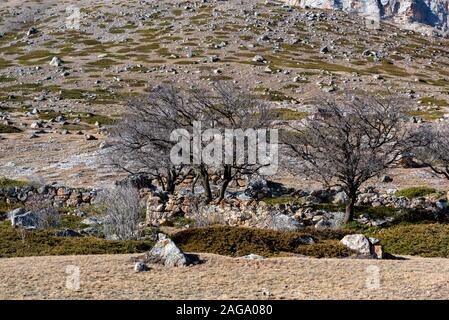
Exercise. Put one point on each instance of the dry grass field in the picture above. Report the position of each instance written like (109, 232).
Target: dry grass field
(112, 277)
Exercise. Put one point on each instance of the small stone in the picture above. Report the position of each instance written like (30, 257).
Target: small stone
(259, 59)
(56, 62)
(386, 179)
(253, 256)
(140, 267)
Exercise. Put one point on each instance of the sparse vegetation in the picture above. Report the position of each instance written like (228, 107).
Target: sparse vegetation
(415, 192)
(42, 243)
(236, 242)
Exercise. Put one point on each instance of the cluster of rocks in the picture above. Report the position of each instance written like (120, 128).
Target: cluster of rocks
(41, 219)
(297, 212)
(55, 196)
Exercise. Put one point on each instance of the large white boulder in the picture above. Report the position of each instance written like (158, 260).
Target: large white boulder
(358, 243)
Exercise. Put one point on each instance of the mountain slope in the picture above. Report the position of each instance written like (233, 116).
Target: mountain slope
(434, 13)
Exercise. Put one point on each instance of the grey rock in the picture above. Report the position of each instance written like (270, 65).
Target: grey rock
(67, 233)
(358, 243)
(27, 220)
(166, 252)
(340, 198)
(283, 222)
(140, 267)
(55, 62)
(253, 256)
(259, 59)
(91, 221)
(89, 231)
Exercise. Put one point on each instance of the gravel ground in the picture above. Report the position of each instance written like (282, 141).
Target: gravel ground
(112, 277)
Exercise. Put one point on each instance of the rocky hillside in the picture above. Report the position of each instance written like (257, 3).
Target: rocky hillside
(285, 55)
(434, 13)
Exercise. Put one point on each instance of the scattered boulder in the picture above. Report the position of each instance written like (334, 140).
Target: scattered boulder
(358, 243)
(259, 59)
(68, 233)
(366, 247)
(258, 189)
(56, 62)
(166, 252)
(283, 222)
(92, 221)
(24, 219)
(253, 256)
(140, 267)
(340, 198)
(386, 179)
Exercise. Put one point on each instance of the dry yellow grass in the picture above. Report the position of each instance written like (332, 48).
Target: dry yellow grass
(112, 277)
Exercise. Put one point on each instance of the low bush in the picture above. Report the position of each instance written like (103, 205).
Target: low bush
(9, 129)
(21, 243)
(415, 192)
(9, 183)
(233, 241)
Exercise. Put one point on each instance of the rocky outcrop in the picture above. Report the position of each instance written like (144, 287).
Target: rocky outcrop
(166, 252)
(289, 215)
(56, 196)
(363, 246)
(434, 13)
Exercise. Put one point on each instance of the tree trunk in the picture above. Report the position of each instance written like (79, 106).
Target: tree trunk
(206, 185)
(227, 177)
(350, 207)
(171, 181)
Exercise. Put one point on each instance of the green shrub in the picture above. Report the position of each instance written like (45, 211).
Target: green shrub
(425, 240)
(10, 183)
(415, 192)
(233, 241)
(20, 243)
(9, 129)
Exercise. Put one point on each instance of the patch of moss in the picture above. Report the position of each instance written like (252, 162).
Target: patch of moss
(415, 192)
(433, 101)
(425, 240)
(6, 79)
(9, 129)
(15, 243)
(233, 241)
(287, 114)
(10, 183)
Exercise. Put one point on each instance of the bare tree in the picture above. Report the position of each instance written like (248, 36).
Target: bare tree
(434, 152)
(46, 215)
(226, 107)
(124, 212)
(141, 141)
(348, 142)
